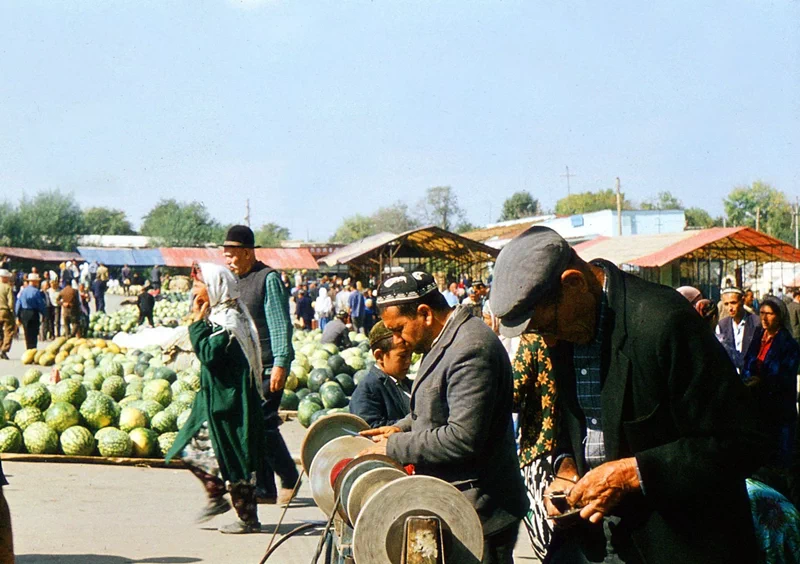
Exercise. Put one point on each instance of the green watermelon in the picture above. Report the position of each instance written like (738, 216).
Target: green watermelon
(35, 395)
(126, 401)
(140, 368)
(98, 410)
(112, 368)
(301, 374)
(337, 364)
(305, 409)
(185, 397)
(77, 441)
(179, 386)
(10, 439)
(317, 415)
(31, 376)
(183, 418)
(40, 439)
(9, 382)
(165, 441)
(69, 391)
(302, 393)
(135, 387)
(318, 377)
(114, 387)
(359, 376)
(194, 382)
(291, 382)
(130, 418)
(347, 384)
(10, 407)
(315, 397)
(26, 416)
(114, 443)
(356, 363)
(93, 380)
(144, 443)
(165, 373)
(158, 390)
(289, 401)
(330, 348)
(61, 416)
(177, 407)
(332, 395)
(150, 407)
(164, 422)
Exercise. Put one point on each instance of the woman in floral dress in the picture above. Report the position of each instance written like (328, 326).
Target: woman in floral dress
(221, 440)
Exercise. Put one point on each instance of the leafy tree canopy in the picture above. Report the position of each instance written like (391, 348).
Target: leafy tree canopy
(51, 220)
(394, 218)
(698, 217)
(664, 201)
(354, 228)
(271, 235)
(440, 207)
(744, 203)
(179, 224)
(586, 202)
(106, 221)
(519, 205)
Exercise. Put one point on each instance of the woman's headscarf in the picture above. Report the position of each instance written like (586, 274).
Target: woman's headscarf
(323, 304)
(690, 293)
(779, 307)
(227, 312)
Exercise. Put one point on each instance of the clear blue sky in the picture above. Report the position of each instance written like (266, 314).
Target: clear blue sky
(317, 110)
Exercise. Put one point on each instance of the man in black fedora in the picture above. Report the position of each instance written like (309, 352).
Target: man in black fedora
(267, 301)
(657, 432)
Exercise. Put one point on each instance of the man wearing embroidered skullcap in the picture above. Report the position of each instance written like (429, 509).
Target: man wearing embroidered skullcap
(736, 330)
(460, 428)
(657, 432)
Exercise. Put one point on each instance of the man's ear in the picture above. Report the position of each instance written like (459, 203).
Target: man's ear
(427, 314)
(574, 279)
(378, 354)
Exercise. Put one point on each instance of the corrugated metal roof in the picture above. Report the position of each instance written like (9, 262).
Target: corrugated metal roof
(742, 243)
(40, 255)
(349, 252)
(281, 259)
(120, 257)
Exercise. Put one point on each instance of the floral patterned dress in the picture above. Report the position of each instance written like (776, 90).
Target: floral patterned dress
(534, 400)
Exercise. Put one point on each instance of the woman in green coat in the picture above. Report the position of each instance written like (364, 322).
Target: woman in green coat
(220, 442)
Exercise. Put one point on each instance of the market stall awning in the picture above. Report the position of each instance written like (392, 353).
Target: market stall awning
(280, 259)
(358, 248)
(120, 257)
(717, 243)
(39, 255)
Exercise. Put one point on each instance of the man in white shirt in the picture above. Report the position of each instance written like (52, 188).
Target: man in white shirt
(735, 331)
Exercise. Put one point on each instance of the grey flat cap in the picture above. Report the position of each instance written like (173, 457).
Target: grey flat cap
(527, 270)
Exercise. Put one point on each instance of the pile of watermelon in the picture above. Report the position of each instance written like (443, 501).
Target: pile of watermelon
(109, 402)
(171, 310)
(322, 378)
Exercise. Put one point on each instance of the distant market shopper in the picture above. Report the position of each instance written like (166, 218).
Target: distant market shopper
(220, 440)
(29, 307)
(146, 303)
(7, 315)
(267, 301)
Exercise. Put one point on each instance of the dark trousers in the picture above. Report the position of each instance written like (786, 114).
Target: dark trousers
(100, 302)
(46, 329)
(30, 323)
(56, 312)
(499, 547)
(146, 315)
(591, 544)
(276, 459)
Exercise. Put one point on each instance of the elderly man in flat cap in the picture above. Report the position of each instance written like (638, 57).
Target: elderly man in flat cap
(7, 318)
(657, 432)
(267, 301)
(460, 428)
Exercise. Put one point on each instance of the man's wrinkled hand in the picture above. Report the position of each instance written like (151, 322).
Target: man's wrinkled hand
(277, 379)
(378, 448)
(565, 480)
(601, 489)
(381, 433)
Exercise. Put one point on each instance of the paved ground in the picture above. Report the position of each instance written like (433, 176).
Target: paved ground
(96, 514)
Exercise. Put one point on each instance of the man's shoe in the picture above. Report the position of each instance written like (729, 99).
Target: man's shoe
(285, 495)
(214, 508)
(241, 528)
(4, 356)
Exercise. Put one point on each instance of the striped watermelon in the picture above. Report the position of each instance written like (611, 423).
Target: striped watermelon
(77, 441)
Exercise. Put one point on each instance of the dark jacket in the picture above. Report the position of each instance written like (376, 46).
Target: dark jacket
(146, 303)
(305, 311)
(671, 398)
(751, 323)
(460, 427)
(776, 390)
(378, 400)
(336, 332)
(794, 319)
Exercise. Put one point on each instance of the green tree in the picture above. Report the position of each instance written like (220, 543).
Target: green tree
(179, 224)
(394, 218)
(519, 205)
(664, 201)
(698, 217)
(271, 235)
(51, 220)
(9, 225)
(354, 228)
(106, 221)
(440, 207)
(760, 199)
(586, 202)
(465, 226)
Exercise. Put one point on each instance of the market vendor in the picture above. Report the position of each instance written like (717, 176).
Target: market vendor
(460, 427)
(382, 397)
(336, 331)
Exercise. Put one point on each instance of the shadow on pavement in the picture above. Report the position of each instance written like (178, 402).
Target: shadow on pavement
(266, 529)
(99, 559)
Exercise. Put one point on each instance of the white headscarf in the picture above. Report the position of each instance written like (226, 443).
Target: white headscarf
(227, 312)
(323, 304)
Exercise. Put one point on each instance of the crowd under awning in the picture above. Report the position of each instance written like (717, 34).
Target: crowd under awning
(38, 255)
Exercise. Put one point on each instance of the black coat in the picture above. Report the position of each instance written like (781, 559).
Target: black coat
(378, 400)
(725, 325)
(671, 398)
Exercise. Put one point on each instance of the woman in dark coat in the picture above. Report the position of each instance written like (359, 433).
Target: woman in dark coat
(221, 440)
(770, 370)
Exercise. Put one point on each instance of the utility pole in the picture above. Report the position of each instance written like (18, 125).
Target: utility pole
(796, 230)
(619, 209)
(758, 218)
(247, 213)
(568, 176)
